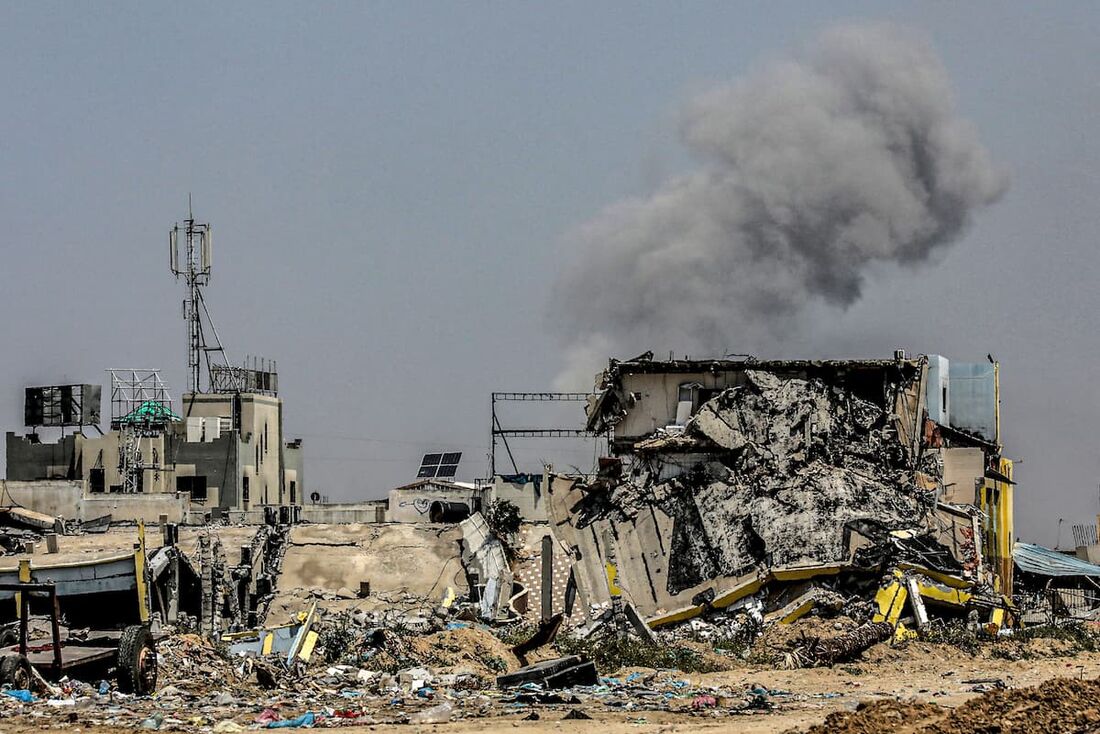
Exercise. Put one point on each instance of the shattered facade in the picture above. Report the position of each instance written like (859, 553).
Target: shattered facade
(738, 479)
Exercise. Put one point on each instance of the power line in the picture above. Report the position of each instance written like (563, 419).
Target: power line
(370, 439)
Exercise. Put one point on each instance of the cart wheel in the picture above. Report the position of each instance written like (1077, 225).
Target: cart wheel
(137, 661)
(15, 670)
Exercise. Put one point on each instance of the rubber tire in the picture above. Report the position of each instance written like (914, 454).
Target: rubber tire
(136, 666)
(15, 670)
(9, 637)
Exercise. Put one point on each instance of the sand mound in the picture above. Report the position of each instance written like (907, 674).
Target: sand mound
(1061, 705)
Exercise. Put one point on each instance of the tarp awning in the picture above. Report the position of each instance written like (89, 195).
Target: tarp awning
(1046, 562)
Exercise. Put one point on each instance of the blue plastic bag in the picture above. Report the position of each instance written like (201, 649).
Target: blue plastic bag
(305, 719)
(22, 694)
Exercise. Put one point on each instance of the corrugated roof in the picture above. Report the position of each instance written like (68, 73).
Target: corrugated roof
(1046, 562)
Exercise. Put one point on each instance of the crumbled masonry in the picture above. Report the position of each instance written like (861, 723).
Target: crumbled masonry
(767, 462)
(741, 494)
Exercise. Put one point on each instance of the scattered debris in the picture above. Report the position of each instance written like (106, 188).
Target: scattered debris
(565, 672)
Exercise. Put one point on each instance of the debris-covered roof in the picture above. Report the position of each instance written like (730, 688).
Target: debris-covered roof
(1046, 562)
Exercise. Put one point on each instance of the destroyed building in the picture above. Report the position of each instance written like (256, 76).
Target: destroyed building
(785, 483)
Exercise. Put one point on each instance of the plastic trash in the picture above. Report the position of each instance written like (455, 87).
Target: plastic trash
(267, 716)
(21, 694)
(305, 719)
(440, 714)
(703, 702)
(414, 675)
(104, 688)
(227, 726)
(153, 722)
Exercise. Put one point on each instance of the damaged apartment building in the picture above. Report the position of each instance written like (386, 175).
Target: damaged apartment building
(783, 485)
(222, 450)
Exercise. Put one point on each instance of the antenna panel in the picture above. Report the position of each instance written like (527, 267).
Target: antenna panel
(207, 250)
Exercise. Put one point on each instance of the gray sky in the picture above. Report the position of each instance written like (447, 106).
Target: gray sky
(391, 185)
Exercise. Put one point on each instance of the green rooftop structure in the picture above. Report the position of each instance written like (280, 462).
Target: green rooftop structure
(149, 412)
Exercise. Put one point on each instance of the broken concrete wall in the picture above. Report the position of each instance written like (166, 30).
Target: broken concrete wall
(958, 528)
(29, 459)
(526, 491)
(68, 500)
(485, 560)
(351, 512)
(963, 474)
(394, 559)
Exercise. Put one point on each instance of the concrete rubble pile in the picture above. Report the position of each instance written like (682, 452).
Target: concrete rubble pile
(744, 494)
(775, 473)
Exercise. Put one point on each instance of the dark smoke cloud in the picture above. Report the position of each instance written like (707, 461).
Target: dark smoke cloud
(811, 170)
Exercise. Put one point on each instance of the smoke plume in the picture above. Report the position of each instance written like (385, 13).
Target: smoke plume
(810, 170)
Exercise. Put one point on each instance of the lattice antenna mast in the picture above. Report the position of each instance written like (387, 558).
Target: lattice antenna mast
(191, 253)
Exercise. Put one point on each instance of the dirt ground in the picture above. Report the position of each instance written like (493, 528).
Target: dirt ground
(931, 686)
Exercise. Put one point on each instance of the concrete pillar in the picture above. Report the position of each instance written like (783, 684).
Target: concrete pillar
(547, 577)
(173, 588)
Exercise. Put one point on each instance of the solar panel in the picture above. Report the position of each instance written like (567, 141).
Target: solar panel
(439, 465)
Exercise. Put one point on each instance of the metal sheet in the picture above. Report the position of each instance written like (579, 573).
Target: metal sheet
(1046, 562)
(973, 398)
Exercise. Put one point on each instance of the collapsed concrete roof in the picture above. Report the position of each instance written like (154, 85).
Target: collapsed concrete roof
(610, 402)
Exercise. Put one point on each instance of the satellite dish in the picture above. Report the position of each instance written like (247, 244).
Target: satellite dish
(314, 497)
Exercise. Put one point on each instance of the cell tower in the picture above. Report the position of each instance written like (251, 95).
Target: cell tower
(191, 259)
